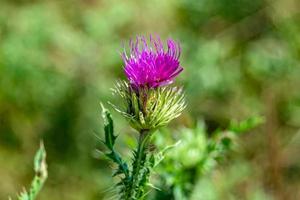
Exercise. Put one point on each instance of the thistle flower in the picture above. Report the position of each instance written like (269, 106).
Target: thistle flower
(150, 102)
(150, 64)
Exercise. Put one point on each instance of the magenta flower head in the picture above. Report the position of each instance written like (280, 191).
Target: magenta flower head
(149, 100)
(150, 64)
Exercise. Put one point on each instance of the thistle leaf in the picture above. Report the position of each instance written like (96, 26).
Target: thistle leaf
(109, 141)
(110, 138)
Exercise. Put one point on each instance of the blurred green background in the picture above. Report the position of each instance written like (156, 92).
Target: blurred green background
(59, 59)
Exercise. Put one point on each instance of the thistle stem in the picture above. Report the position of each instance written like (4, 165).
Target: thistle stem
(139, 164)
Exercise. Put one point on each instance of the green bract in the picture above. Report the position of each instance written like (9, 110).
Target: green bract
(150, 108)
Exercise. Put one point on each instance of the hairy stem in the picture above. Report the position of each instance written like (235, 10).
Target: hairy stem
(138, 165)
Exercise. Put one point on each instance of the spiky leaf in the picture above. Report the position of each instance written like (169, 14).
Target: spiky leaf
(110, 138)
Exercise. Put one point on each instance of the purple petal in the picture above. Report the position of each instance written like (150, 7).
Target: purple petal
(149, 65)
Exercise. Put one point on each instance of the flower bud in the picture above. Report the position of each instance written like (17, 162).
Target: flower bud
(149, 108)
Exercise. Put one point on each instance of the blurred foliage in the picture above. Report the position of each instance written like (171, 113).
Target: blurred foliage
(195, 156)
(59, 58)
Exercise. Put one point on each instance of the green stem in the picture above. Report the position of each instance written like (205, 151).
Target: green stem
(36, 186)
(139, 163)
(40, 177)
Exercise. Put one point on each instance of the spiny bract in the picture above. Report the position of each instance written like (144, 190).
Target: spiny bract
(150, 108)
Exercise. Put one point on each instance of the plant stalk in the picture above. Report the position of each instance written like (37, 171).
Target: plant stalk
(139, 164)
